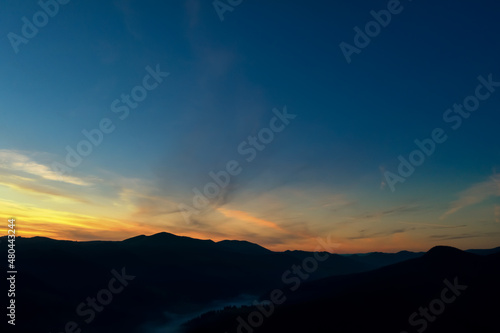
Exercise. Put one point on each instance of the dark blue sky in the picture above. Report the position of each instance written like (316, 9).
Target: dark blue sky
(324, 173)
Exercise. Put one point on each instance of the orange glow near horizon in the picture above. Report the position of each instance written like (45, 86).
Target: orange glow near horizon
(244, 216)
(34, 221)
(114, 208)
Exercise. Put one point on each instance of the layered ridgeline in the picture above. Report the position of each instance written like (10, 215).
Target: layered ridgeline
(445, 290)
(152, 283)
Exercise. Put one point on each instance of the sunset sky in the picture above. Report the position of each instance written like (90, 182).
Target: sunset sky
(322, 174)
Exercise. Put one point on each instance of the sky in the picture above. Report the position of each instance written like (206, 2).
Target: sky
(275, 122)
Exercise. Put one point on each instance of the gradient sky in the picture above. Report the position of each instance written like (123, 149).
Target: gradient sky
(323, 175)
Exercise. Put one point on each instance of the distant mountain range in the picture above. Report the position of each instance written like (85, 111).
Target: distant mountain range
(171, 276)
(444, 290)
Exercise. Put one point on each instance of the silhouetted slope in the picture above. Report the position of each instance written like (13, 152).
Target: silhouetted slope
(380, 259)
(485, 251)
(383, 300)
(172, 273)
(335, 265)
(182, 275)
(242, 247)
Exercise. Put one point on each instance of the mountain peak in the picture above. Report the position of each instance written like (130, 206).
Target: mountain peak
(135, 238)
(446, 250)
(242, 247)
(447, 253)
(163, 234)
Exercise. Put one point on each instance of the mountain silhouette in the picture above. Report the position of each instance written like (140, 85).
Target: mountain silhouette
(382, 300)
(174, 276)
(242, 247)
(379, 259)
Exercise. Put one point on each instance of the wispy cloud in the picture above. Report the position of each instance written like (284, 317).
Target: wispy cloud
(475, 194)
(244, 216)
(399, 210)
(363, 235)
(463, 236)
(129, 18)
(28, 186)
(21, 162)
(146, 203)
(334, 202)
(435, 226)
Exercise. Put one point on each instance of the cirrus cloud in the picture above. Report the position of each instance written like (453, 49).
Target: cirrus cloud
(475, 194)
(16, 161)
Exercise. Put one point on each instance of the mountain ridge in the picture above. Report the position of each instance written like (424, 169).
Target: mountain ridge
(170, 236)
(390, 295)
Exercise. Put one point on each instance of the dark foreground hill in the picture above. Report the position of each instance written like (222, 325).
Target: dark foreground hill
(103, 286)
(150, 282)
(446, 290)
